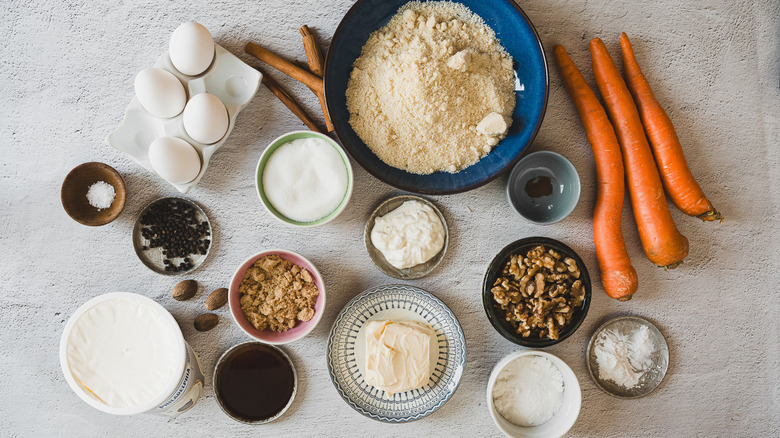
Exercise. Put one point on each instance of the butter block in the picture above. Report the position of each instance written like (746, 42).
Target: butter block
(398, 355)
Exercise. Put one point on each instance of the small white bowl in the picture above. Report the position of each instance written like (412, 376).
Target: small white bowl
(563, 420)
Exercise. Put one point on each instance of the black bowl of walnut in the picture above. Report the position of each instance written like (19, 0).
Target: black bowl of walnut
(536, 292)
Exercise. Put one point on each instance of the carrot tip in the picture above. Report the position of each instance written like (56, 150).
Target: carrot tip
(672, 266)
(625, 298)
(711, 216)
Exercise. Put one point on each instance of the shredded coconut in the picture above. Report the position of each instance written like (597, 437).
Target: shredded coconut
(528, 391)
(425, 82)
(624, 358)
(101, 195)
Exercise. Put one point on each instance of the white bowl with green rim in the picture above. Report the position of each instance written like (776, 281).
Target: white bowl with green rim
(272, 147)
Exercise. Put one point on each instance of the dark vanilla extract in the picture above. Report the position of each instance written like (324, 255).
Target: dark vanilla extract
(254, 382)
(539, 186)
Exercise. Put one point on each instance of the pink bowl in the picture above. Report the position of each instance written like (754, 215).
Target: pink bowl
(270, 337)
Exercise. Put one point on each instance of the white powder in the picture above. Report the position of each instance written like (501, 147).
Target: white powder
(624, 358)
(528, 391)
(425, 82)
(305, 179)
(101, 195)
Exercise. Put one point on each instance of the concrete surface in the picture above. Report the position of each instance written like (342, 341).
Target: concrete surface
(67, 70)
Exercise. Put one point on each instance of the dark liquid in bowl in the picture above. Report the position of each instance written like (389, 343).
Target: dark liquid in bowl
(539, 186)
(254, 382)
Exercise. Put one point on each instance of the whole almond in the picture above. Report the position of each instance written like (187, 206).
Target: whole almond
(206, 322)
(184, 290)
(217, 299)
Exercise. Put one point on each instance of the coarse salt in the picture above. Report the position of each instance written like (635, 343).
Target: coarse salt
(101, 195)
(528, 391)
(624, 358)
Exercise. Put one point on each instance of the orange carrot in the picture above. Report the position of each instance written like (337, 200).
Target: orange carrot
(662, 242)
(617, 275)
(678, 180)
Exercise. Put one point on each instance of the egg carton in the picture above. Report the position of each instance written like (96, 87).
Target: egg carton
(228, 78)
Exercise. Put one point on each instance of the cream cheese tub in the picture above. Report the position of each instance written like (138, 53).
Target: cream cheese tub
(124, 354)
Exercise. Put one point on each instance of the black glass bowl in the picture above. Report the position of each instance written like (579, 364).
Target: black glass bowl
(493, 311)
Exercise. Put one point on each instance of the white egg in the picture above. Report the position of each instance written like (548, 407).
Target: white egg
(174, 159)
(191, 48)
(160, 92)
(205, 118)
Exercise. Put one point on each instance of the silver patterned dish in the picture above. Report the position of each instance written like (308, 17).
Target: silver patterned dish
(650, 379)
(153, 258)
(346, 353)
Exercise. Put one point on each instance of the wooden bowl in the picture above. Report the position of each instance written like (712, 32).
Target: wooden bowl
(74, 193)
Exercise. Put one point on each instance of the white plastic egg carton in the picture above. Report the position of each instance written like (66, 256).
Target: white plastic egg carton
(228, 78)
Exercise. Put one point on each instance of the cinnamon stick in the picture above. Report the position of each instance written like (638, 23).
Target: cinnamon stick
(317, 66)
(310, 80)
(289, 102)
(313, 52)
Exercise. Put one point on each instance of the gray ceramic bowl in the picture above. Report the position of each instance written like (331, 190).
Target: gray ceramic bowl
(544, 187)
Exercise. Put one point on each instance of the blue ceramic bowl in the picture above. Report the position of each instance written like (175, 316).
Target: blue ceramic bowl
(518, 36)
(544, 187)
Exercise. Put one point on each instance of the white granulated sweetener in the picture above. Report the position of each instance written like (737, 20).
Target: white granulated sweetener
(624, 358)
(305, 179)
(433, 90)
(101, 195)
(528, 391)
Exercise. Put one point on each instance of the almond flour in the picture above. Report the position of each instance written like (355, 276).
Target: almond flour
(433, 90)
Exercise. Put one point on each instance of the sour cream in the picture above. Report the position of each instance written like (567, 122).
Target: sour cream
(409, 235)
(125, 352)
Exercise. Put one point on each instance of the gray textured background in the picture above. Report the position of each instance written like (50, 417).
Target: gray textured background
(67, 72)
